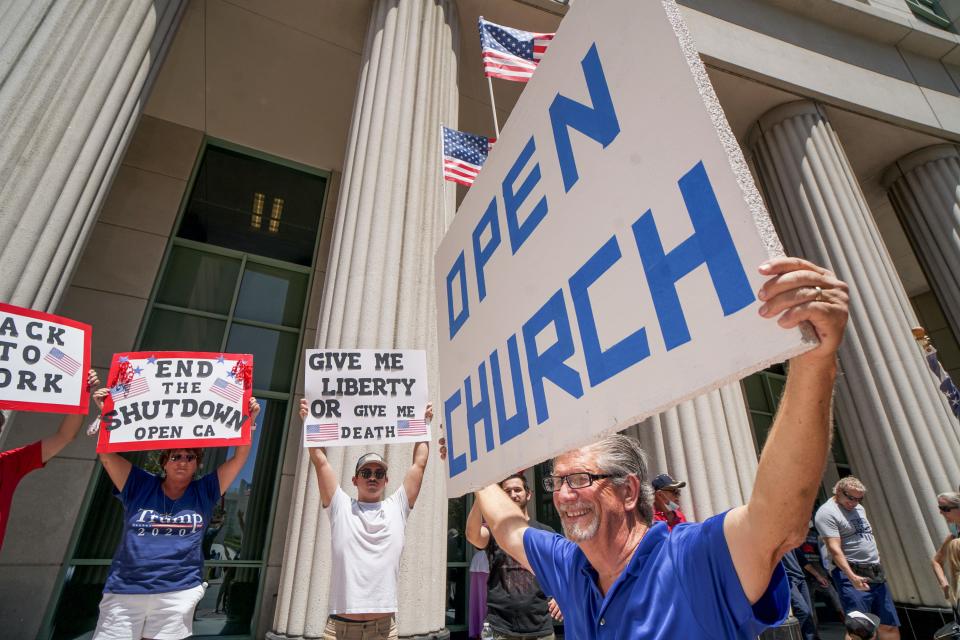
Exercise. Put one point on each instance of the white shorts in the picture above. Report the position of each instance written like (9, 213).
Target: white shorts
(162, 616)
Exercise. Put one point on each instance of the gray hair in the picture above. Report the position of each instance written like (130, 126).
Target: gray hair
(847, 483)
(622, 456)
(950, 497)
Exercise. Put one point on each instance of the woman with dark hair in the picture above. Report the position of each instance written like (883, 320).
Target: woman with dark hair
(156, 579)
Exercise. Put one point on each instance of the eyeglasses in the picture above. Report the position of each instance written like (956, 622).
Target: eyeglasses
(944, 509)
(186, 457)
(850, 497)
(580, 480)
(379, 474)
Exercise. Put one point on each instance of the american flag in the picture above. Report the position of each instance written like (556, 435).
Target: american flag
(322, 432)
(464, 155)
(62, 361)
(947, 386)
(411, 427)
(227, 390)
(511, 54)
(132, 389)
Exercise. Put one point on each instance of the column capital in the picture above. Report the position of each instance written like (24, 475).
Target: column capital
(783, 112)
(918, 158)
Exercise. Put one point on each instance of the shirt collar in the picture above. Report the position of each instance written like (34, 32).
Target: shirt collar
(651, 541)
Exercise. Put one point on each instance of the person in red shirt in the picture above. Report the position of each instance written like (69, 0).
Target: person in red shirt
(665, 500)
(16, 463)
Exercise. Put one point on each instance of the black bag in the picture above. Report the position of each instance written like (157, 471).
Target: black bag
(950, 631)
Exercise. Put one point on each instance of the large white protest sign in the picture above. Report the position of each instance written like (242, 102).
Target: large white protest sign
(603, 267)
(43, 361)
(172, 399)
(365, 396)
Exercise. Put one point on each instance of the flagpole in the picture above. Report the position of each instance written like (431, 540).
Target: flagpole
(493, 107)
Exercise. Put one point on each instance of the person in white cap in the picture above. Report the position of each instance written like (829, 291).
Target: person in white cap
(366, 539)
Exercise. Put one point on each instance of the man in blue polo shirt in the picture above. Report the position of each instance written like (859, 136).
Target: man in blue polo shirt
(616, 576)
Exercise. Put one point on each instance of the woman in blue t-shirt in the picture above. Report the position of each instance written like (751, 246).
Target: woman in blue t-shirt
(155, 581)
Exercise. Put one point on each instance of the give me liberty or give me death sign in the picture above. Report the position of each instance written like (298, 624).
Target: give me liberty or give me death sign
(44, 361)
(173, 399)
(365, 396)
(603, 267)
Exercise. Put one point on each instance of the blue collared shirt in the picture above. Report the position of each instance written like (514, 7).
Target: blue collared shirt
(678, 585)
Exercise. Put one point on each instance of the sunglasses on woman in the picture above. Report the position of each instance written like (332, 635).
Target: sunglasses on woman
(186, 457)
(946, 509)
(379, 474)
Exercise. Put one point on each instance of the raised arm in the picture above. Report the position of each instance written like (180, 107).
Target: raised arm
(326, 477)
(413, 479)
(227, 472)
(776, 518)
(505, 520)
(69, 426)
(477, 534)
(116, 466)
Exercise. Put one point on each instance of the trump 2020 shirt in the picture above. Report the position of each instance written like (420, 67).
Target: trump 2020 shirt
(161, 547)
(678, 584)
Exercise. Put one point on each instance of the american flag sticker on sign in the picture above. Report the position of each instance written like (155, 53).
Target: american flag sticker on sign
(411, 427)
(227, 390)
(62, 361)
(322, 432)
(132, 389)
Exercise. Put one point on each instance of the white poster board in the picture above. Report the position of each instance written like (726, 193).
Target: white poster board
(174, 399)
(365, 396)
(603, 267)
(43, 361)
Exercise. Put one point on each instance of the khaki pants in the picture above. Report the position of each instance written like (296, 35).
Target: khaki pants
(381, 629)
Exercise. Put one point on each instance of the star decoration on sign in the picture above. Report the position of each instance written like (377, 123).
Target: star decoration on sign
(123, 359)
(220, 360)
(152, 360)
(137, 370)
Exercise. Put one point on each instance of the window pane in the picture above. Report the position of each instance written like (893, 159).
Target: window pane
(272, 295)
(761, 428)
(198, 280)
(79, 604)
(172, 331)
(754, 390)
(254, 206)
(238, 530)
(227, 606)
(274, 354)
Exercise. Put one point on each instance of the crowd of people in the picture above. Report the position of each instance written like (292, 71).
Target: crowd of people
(628, 564)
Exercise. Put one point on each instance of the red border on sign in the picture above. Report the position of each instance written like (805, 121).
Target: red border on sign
(103, 442)
(48, 407)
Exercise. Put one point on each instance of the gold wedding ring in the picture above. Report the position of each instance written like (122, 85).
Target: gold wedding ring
(819, 297)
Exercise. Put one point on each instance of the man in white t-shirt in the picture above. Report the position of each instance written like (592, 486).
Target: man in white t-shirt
(367, 535)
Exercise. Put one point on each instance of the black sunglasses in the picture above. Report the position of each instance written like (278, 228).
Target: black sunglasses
(944, 509)
(379, 474)
(186, 457)
(850, 497)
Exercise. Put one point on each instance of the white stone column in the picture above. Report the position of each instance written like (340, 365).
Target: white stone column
(708, 443)
(392, 212)
(924, 188)
(896, 429)
(73, 80)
